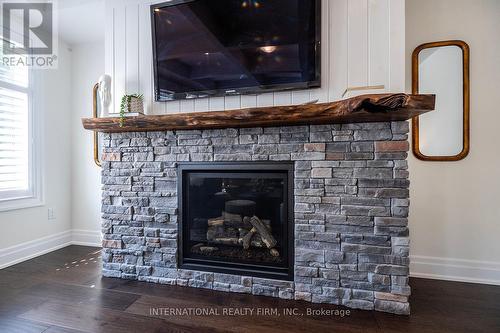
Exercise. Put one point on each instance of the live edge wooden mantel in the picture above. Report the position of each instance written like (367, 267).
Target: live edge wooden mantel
(365, 108)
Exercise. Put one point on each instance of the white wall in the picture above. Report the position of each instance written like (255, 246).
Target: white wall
(455, 206)
(362, 45)
(88, 65)
(25, 231)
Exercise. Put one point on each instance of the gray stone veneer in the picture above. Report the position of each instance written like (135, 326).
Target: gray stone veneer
(351, 209)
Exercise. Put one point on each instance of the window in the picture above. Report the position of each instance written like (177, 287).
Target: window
(19, 170)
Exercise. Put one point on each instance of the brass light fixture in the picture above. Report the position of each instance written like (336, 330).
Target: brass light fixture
(97, 161)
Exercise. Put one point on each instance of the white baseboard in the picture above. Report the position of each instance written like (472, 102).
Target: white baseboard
(86, 238)
(29, 250)
(485, 272)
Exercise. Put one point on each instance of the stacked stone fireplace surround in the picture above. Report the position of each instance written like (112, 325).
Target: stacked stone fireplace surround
(350, 214)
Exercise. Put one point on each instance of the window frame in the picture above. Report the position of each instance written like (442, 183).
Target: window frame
(33, 196)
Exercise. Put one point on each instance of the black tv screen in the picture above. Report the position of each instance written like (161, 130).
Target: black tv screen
(223, 47)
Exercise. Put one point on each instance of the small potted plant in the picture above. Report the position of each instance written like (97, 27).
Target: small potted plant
(131, 105)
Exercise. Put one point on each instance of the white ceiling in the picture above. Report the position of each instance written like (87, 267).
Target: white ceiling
(81, 21)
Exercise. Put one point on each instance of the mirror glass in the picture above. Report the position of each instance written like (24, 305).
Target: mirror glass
(441, 73)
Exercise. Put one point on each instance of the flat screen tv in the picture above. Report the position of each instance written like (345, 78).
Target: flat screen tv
(212, 48)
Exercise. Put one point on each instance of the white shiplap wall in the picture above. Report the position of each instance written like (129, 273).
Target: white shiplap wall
(362, 45)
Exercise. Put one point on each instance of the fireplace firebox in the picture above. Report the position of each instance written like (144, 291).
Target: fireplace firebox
(237, 218)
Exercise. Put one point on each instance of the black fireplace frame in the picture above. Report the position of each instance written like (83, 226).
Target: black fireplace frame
(244, 269)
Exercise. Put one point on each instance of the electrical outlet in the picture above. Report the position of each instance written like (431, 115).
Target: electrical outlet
(51, 214)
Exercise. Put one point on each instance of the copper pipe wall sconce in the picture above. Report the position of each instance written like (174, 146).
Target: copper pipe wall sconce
(97, 161)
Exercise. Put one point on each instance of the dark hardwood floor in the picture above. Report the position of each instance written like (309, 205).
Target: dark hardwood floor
(63, 292)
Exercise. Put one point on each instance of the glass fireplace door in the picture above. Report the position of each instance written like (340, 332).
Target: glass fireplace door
(235, 218)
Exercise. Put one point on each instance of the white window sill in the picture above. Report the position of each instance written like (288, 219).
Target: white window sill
(20, 203)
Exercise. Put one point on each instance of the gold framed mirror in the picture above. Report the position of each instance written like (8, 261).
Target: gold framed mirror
(442, 68)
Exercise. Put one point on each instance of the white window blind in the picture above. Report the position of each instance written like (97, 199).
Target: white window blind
(15, 177)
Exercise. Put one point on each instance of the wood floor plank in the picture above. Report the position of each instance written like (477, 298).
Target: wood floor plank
(81, 295)
(13, 281)
(92, 320)
(57, 329)
(142, 288)
(13, 304)
(21, 326)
